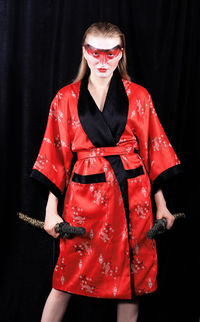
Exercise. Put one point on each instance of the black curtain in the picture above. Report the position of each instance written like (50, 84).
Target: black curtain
(40, 51)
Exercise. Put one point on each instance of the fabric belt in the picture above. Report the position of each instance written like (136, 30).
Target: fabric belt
(105, 151)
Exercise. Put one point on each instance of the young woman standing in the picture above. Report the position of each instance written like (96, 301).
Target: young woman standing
(121, 150)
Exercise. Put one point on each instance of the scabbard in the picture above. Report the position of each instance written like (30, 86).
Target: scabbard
(31, 221)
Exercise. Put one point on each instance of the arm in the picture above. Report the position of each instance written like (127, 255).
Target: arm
(162, 211)
(53, 163)
(158, 155)
(52, 217)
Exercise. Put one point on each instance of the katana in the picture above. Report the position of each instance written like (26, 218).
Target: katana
(63, 228)
(160, 225)
(67, 231)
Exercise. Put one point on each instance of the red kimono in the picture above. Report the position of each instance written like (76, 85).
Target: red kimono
(118, 154)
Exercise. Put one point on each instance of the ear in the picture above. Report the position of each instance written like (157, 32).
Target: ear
(120, 55)
(84, 52)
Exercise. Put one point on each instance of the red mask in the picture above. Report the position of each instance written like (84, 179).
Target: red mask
(103, 55)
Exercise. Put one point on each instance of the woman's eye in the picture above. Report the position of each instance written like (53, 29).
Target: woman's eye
(110, 55)
(95, 54)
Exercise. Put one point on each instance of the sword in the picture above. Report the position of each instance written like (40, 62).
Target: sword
(160, 225)
(67, 231)
(63, 228)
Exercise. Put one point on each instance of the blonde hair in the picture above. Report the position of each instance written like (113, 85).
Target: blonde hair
(106, 29)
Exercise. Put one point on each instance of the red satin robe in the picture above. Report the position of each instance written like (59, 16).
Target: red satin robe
(120, 153)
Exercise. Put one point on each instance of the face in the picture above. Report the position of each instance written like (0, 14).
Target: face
(102, 54)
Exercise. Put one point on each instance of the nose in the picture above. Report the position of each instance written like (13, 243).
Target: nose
(103, 58)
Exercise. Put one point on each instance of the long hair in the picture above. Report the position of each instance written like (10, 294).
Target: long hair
(106, 29)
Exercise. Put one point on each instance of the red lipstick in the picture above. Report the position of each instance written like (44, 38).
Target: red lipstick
(102, 70)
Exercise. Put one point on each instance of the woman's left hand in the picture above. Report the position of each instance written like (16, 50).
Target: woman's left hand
(163, 212)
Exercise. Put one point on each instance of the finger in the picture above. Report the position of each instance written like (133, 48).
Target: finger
(170, 222)
(51, 232)
(54, 234)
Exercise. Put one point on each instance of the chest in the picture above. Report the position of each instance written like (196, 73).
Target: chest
(99, 97)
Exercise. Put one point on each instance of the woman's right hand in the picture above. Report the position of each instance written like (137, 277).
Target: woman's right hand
(52, 218)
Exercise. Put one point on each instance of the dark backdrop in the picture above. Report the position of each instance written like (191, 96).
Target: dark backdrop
(40, 50)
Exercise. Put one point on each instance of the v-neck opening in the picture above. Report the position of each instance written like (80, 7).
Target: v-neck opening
(107, 95)
(96, 103)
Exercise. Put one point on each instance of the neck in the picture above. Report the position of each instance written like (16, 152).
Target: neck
(99, 82)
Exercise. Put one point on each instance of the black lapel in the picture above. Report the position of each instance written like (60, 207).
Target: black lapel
(104, 128)
(115, 111)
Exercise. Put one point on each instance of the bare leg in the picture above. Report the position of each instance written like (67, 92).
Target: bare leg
(55, 306)
(127, 310)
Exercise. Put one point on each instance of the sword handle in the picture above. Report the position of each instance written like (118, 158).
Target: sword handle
(66, 230)
(160, 225)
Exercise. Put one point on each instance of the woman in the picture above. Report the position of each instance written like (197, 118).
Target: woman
(110, 125)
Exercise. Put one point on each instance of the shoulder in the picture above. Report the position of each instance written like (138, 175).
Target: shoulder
(136, 90)
(69, 90)
(66, 96)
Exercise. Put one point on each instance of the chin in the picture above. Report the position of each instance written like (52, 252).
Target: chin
(103, 75)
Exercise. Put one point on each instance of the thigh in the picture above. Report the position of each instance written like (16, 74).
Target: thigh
(61, 294)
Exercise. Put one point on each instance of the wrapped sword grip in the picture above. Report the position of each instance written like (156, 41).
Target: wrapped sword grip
(68, 231)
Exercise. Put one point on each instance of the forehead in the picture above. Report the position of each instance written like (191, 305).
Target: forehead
(101, 42)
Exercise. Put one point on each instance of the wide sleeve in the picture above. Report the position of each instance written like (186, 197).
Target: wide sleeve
(52, 165)
(158, 155)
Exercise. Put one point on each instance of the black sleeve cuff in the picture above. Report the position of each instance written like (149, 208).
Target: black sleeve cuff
(165, 176)
(35, 174)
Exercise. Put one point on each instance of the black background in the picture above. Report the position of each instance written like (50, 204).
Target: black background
(40, 51)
